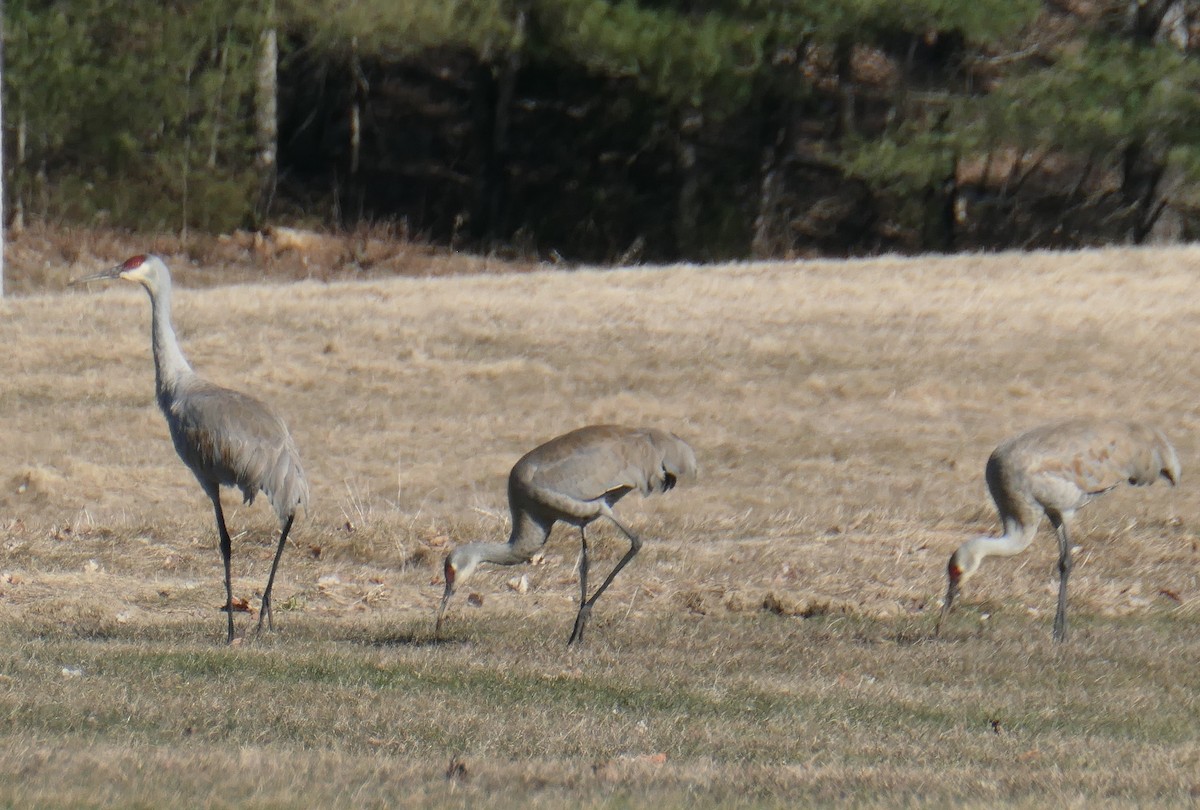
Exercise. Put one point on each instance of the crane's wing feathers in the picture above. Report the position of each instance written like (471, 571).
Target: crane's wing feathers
(236, 440)
(609, 460)
(1092, 456)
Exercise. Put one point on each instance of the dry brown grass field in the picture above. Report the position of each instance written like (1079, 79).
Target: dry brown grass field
(771, 645)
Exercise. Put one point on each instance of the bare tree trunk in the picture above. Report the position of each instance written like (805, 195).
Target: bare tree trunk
(219, 56)
(941, 213)
(847, 119)
(186, 169)
(765, 241)
(1, 150)
(266, 106)
(687, 213)
(771, 236)
(17, 217)
(355, 136)
(769, 239)
(360, 91)
(495, 90)
(1144, 163)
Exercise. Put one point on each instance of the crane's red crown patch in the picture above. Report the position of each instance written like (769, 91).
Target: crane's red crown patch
(134, 261)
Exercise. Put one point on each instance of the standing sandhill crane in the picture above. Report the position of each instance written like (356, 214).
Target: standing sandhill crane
(576, 478)
(224, 437)
(1054, 470)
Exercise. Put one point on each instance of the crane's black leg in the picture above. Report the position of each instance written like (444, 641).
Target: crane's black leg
(1064, 571)
(266, 599)
(585, 610)
(226, 553)
(580, 619)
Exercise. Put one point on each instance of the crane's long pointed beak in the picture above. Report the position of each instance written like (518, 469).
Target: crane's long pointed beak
(103, 275)
(441, 613)
(951, 593)
(451, 573)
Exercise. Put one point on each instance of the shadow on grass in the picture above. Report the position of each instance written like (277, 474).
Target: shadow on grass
(909, 637)
(173, 634)
(910, 633)
(408, 640)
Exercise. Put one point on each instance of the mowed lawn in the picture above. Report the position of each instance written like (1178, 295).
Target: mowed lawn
(770, 646)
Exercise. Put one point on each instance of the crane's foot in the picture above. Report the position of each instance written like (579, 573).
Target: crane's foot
(937, 628)
(1060, 625)
(265, 613)
(580, 622)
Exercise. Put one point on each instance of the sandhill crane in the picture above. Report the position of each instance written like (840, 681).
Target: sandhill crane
(1054, 470)
(224, 437)
(576, 478)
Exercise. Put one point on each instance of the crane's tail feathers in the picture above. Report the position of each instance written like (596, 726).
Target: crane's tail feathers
(679, 459)
(675, 460)
(1168, 459)
(286, 487)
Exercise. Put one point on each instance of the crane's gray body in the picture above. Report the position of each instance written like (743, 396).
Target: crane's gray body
(231, 439)
(1061, 467)
(226, 438)
(1054, 470)
(580, 475)
(577, 478)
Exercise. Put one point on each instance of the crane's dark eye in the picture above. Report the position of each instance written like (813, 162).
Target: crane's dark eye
(133, 262)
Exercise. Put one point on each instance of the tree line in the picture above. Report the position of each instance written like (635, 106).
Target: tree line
(595, 130)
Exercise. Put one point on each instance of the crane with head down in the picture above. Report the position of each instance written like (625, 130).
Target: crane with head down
(1054, 470)
(576, 478)
(225, 437)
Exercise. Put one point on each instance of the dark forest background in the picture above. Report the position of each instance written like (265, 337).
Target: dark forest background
(642, 130)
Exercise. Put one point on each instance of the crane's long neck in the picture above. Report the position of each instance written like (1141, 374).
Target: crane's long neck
(170, 366)
(1016, 538)
(528, 535)
(498, 554)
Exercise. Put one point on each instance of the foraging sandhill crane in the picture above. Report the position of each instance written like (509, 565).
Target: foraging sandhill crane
(1054, 470)
(576, 478)
(224, 437)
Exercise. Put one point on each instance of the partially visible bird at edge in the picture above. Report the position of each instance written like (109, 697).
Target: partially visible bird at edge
(1053, 470)
(226, 438)
(576, 478)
